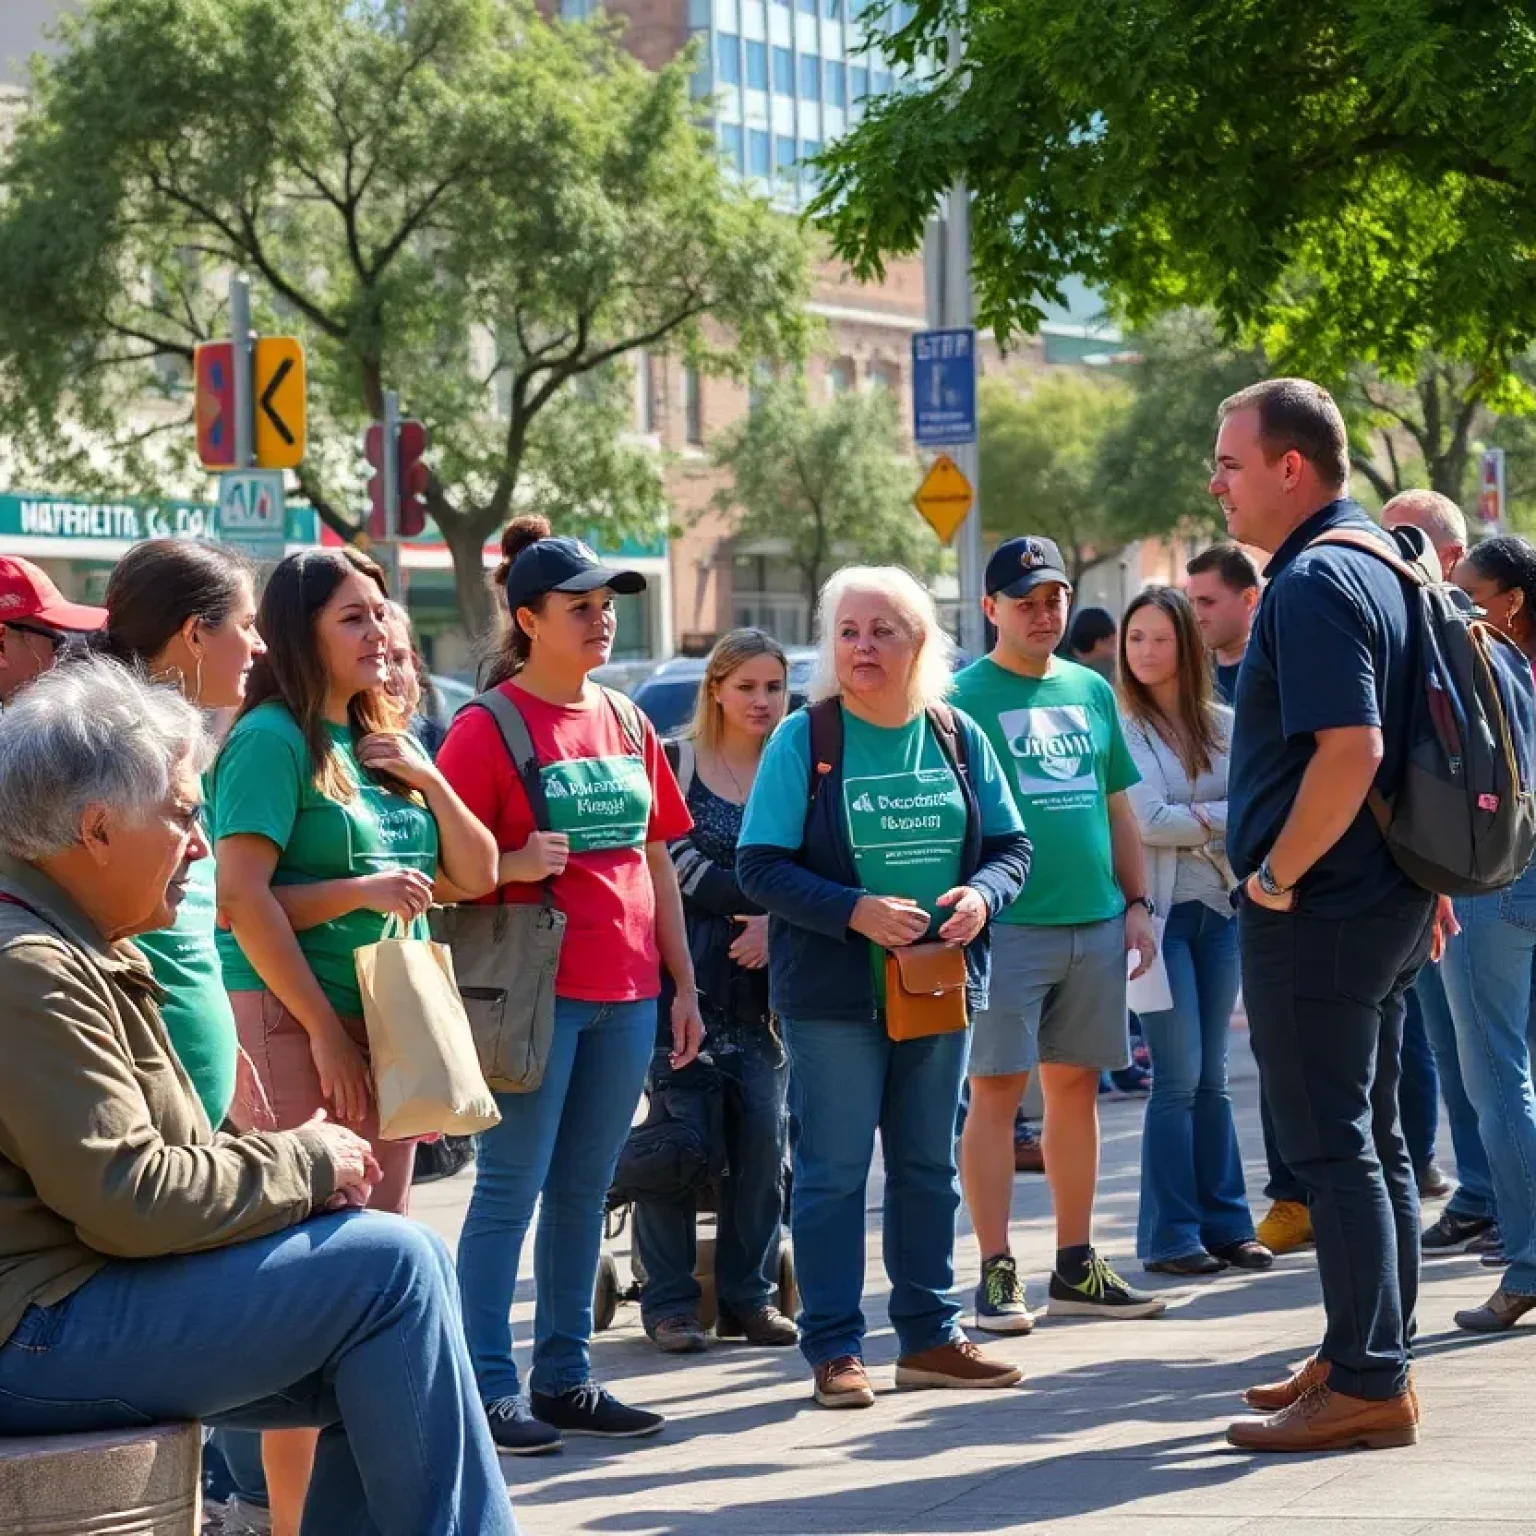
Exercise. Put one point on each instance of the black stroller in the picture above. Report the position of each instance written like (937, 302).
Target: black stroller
(678, 1152)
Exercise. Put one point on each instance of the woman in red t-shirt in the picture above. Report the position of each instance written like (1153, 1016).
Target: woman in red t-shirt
(613, 806)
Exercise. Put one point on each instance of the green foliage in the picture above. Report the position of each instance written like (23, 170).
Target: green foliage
(454, 198)
(1352, 180)
(831, 483)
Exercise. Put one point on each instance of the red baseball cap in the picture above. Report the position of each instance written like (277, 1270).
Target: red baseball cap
(27, 593)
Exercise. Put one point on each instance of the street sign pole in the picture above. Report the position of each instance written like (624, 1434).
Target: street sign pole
(389, 472)
(245, 405)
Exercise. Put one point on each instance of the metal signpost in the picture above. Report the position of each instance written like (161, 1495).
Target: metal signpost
(1490, 491)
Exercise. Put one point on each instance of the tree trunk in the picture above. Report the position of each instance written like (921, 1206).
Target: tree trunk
(465, 536)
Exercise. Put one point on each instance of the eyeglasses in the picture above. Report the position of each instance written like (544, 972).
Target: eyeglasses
(52, 636)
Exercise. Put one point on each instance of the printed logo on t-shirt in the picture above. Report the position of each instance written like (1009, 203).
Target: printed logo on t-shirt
(904, 820)
(1052, 751)
(598, 802)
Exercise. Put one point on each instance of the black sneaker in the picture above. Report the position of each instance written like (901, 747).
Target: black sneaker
(516, 1431)
(1101, 1293)
(1451, 1233)
(590, 1410)
(1001, 1306)
(1490, 1241)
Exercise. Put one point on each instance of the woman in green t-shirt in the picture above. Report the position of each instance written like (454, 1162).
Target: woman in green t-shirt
(185, 613)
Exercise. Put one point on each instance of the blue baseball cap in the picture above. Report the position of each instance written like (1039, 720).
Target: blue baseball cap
(1020, 565)
(563, 565)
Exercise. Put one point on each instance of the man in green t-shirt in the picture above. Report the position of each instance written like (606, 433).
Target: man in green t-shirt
(1059, 952)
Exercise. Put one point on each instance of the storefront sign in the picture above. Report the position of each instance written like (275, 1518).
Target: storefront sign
(24, 515)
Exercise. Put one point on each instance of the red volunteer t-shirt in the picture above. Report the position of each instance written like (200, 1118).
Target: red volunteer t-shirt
(609, 802)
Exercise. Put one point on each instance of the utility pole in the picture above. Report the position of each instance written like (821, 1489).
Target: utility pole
(389, 471)
(243, 340)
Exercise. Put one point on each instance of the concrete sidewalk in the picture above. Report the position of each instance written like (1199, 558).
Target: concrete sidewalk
(1117, 1427)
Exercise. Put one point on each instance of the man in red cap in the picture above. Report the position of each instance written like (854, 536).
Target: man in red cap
(35, 622)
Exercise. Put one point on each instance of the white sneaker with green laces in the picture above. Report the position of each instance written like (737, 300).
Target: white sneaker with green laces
(1001, 1306)
(1102, 1293)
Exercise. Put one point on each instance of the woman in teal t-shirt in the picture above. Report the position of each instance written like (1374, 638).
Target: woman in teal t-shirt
(185, 613)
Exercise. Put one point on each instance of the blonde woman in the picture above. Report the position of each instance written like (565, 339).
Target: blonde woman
(879, 818)
(741, 700)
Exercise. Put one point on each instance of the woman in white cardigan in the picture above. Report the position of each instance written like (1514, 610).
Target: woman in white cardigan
(1194, 1216)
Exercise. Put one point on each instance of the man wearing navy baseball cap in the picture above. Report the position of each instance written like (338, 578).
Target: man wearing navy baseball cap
(1059, 952)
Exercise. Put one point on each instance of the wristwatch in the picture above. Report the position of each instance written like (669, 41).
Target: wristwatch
(1141, 901)
(1267, 882)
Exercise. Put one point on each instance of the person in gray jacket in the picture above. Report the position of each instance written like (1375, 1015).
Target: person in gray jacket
(1194, 1217)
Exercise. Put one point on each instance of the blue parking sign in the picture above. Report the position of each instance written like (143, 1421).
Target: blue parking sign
(944, 387)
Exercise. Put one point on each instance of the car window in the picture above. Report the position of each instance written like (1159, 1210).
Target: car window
(668, 705)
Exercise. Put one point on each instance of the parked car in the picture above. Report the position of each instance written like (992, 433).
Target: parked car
(668, 696)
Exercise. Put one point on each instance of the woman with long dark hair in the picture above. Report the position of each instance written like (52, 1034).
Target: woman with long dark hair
(330, 824)
(613, 807)
(1194, 1217)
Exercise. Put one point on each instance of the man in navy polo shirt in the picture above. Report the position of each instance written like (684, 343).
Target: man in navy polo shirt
(1332, 933)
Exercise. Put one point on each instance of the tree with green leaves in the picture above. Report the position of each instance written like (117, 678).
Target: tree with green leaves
(484, 210)
(829, 484)
(1355, 170)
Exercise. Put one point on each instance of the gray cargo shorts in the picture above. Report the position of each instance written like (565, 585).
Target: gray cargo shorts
(1057, 996)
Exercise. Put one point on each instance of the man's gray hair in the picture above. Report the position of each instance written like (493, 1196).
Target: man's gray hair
(88, 732)
(1437, 515)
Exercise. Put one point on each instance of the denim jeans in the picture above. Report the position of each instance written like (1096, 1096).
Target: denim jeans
(1325, 1009)
(1419, 1092)
(750, 1218)
(555, 1147)
(347, 1322)
(1490, 973)
(1474, 1178)
(846, 1081)
(1282, 1183)
(1192, 1193)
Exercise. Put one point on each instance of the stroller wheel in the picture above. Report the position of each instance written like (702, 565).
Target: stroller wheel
(605, 1293)
(789, 1292)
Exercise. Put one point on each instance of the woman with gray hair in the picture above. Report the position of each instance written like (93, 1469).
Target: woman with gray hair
(879, 819)
(131, 1235)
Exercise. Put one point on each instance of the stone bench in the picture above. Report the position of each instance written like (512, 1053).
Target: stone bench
(131, 1482)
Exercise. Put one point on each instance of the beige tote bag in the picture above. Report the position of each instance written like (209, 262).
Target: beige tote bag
(426, 1074)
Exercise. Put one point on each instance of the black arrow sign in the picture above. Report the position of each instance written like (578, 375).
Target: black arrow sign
(284, 368)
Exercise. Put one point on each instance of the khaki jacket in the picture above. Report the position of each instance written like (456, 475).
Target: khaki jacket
(105, 1151)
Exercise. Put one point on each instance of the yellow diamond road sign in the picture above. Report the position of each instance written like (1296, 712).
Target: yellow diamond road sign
(944, 497)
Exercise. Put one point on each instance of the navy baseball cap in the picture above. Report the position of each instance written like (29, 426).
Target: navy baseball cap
(1018, 566)
(563, 565)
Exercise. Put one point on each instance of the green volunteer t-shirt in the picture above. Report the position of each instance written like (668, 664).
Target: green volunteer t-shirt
(262, 784)
(1061, 746)
(905, 816)
(599, 802)
(196, 1008)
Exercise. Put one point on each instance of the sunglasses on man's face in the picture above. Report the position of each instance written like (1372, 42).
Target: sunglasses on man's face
(54, 637)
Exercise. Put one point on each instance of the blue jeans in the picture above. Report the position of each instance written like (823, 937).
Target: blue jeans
(1490, 978)
(347, 1322)
(555, 1147)
(1325, 1011)
(750, 1217)
(846, 1081)
(1192, 1193)
(1474, 1178)
(1419, 1092)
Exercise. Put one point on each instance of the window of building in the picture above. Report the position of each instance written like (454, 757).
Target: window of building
(810, 77)
(808, 6)
(783, 72)
(858, 82)
(762, 377)
(882, 82)
(728, 58)
(832, 9)
(757, 65)
(784, 158)
(809, 149)
(837, 91)
(730, 145)
(885, 376)
(840, 376)
(693, 407)
(757, 152)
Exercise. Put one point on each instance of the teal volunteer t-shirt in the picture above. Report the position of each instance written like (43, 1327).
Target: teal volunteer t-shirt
(902, 807)
(262, 784)
(1059, 738)
(196, 1008)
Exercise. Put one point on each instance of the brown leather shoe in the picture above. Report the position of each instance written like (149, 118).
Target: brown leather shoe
(1324, 1420)
(841, 1383)
(958, 1364)
(1502, 1310)
(1275, 1396)
(1028, 1156)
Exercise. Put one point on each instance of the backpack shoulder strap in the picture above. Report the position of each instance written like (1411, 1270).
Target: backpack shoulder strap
(826, 722)
(520, 748)
(628, 713)
(682, 758)
(1350, 539)
(951, 739)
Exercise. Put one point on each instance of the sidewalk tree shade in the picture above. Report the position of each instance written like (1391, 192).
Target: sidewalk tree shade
(457, 199)
(1360, 171)
(826, 484)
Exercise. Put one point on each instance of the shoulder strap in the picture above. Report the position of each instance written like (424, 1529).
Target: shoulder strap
(520, 748)
(826, 722)
(681, 757)
(951, 739)
(1371, 546)
(630, 723)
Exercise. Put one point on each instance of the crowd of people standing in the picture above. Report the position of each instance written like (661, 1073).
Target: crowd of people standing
(880, 914)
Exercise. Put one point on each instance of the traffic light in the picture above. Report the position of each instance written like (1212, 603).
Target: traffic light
(411, 476)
